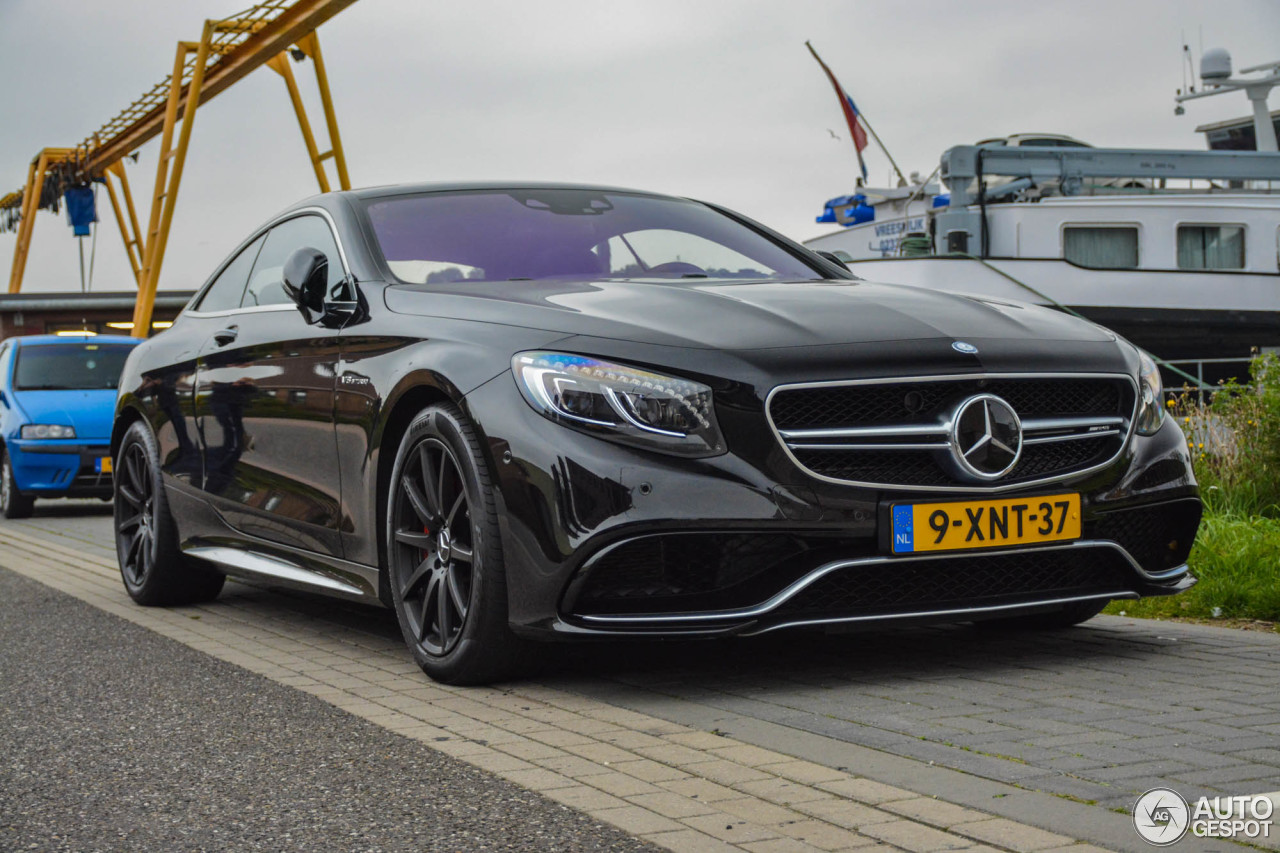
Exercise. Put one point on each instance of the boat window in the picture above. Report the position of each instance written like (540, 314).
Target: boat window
(1052, 142)
(1210, 247)
(1105, 247)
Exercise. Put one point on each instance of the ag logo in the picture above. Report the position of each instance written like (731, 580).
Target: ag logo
(1161, 816)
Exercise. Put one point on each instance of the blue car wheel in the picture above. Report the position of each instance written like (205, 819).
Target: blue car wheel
(13, 503)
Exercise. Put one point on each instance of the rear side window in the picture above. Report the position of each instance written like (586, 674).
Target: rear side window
(1101, 247)
(225, 292)
(266, 284)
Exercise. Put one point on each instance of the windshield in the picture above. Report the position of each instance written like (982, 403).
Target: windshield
(63, 367)
(520, 235)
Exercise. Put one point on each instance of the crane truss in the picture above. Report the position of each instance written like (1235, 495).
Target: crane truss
(269, 33)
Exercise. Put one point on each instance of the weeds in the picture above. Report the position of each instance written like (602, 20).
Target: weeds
(1234, 436)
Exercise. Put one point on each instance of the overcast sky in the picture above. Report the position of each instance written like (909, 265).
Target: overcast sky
(714, 100)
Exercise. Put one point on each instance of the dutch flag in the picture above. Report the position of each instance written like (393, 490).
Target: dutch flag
(856, 131)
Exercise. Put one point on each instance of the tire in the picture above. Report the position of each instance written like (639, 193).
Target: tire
(13, 503)
(1066, 617)
(154, 571)
(444, 556)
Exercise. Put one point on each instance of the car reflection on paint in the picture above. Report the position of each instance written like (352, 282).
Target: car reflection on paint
(526, 412)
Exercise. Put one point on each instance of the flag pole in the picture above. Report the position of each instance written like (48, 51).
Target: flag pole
(863, 118)
(876, 137)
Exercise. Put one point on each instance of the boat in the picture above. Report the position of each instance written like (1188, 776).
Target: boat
(1178, 251)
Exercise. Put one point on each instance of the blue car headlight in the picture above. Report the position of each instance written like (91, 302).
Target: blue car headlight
(621, 403)
(47, 431)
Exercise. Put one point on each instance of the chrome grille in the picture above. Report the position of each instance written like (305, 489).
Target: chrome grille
(822, 405)
(896, 433)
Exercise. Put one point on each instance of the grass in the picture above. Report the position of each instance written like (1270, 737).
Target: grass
(1234, 439)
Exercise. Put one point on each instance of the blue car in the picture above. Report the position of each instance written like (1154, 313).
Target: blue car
(57, 399)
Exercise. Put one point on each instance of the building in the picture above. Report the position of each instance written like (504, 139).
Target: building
(107, 313)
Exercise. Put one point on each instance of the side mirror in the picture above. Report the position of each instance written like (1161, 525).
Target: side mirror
(306, 276)
(306, 280)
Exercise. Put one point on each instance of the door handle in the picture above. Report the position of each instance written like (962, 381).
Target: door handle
(222, 337)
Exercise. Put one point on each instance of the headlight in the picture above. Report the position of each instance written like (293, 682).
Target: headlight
(621, 403)
(1150, 396)
(48, 431)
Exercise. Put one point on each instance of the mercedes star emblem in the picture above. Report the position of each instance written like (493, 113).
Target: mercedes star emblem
(986, 437)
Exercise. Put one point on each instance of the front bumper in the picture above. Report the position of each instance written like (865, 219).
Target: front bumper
(60, 468)
(603, 540)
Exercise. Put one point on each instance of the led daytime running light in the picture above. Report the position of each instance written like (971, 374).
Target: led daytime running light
(629, 404)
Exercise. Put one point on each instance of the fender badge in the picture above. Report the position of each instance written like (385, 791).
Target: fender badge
(967, 349)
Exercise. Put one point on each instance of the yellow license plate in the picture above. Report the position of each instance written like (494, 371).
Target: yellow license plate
(104, 464)
(956, 525)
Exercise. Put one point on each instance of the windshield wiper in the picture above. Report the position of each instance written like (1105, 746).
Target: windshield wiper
(45, 388)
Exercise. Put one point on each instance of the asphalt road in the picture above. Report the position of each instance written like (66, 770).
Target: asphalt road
(115, 738)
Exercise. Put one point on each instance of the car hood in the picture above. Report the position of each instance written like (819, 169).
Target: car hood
(742, 316)
(90, 412)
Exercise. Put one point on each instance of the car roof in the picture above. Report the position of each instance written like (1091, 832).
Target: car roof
(385, 190)
(39, 340)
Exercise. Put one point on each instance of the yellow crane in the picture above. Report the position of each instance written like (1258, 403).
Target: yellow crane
(269, 33)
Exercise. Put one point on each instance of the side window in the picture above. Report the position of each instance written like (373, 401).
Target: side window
(1210, 247)
(224, 294)
(266, 286)
(1101, 247)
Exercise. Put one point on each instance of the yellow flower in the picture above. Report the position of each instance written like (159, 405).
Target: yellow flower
(1169, 402)
(1186, 420)
(1202, 445)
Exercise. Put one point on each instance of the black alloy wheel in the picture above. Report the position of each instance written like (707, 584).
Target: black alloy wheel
(153, 568)
(13, 503)
(444, 560)
(433, 529)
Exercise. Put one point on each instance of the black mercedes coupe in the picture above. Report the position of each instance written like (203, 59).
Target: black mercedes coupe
(527, 411)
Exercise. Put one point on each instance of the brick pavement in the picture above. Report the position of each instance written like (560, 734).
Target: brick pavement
(1099, 713)
(1025, 728)
(673, 785)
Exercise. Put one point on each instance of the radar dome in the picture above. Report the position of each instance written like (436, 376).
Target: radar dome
(1215, 65)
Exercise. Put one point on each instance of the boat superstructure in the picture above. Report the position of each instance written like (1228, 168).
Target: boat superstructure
(1179, 251)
